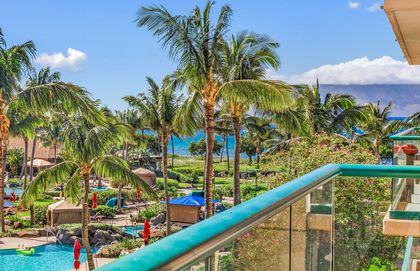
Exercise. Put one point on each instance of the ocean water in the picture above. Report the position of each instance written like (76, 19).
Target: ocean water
(181, 144)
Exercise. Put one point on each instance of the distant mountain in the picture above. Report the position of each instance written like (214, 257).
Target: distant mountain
(405, 98)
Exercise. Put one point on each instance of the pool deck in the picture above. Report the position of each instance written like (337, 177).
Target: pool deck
(98, 263)
(14, 242)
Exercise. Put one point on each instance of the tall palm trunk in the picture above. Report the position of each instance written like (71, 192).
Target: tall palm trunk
(223, 148)
(4, 134)
(55, 154)
(237, 161)
(120, 185)
(85, 222)
(173, 152)
(31, 176)
(165, 180)
(227, 153)
(119, 196)
(257, 165)
(3, 149)
(376, 143)
(24, 172)
(209, 124)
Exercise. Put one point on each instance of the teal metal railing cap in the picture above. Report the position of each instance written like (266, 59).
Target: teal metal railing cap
(404, 135)
(193, 243)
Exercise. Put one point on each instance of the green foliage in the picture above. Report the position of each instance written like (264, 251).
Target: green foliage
(13, 182)
(251, 191)
(15, 218)
(358, 219)
(151, 211)
(171, 183)
(223, 191)
(248, 147)
(180, 177)
(14, 160)
(378, 264)
(41, 215)
(108, 212)
(199, 148)
(114, 250)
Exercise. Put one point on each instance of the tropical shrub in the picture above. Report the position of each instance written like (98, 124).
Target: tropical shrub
(41, 214)
(114, 250)
(13, 182)
(151, 211)
(108, 212)
(360, 203)
(171, 183)
(14, 160)
(251, 191)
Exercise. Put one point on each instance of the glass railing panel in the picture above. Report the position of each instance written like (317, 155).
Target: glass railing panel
(198, 266)
(311, 230)
(264, 248)
(405, 199)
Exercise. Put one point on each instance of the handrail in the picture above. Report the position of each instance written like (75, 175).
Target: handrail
(404, 135)
(200, 240)
(407, 261)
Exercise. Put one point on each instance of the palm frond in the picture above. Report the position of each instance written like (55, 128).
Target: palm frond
(54, 175)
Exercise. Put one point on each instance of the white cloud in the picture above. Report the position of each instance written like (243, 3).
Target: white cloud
(354, 4)
(72, 61)
(375, 7)
(383, 70)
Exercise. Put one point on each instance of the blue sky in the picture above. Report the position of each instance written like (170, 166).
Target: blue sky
(113, 56)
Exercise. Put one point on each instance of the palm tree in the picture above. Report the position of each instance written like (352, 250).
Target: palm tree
(23, 125)
(223, 126)
(260, 130)
(334, 113)
(247, 57)
(160, 108)
(85, 148)
(377, 127)
(15, 61)
(52, 136)
(130, 119)
(196, 44)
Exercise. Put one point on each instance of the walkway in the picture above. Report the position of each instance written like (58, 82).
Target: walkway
(13, 242)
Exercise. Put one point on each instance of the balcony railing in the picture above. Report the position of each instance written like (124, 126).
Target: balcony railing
(288, 228)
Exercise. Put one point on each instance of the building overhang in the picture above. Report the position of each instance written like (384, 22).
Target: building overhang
(404, 16)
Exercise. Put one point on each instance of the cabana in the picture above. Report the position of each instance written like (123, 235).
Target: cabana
(39, 164)
(187, 209)
(64, 212)
(146, 175)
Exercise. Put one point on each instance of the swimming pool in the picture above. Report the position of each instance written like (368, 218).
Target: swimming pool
(17, 190)
(47, 257)
(133, 230)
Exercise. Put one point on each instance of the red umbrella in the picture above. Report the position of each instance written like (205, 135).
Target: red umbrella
(94, 200)
(146, 231)
(409, 149)
(12, 197)
(76, 249)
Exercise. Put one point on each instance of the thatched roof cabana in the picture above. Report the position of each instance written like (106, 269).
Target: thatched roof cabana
(64, 212)
(146, 175)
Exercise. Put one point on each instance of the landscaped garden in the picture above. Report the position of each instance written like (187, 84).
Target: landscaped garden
(80, 174)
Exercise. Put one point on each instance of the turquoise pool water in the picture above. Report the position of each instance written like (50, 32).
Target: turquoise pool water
(46, 258)
(133, 230)
(17, 190)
